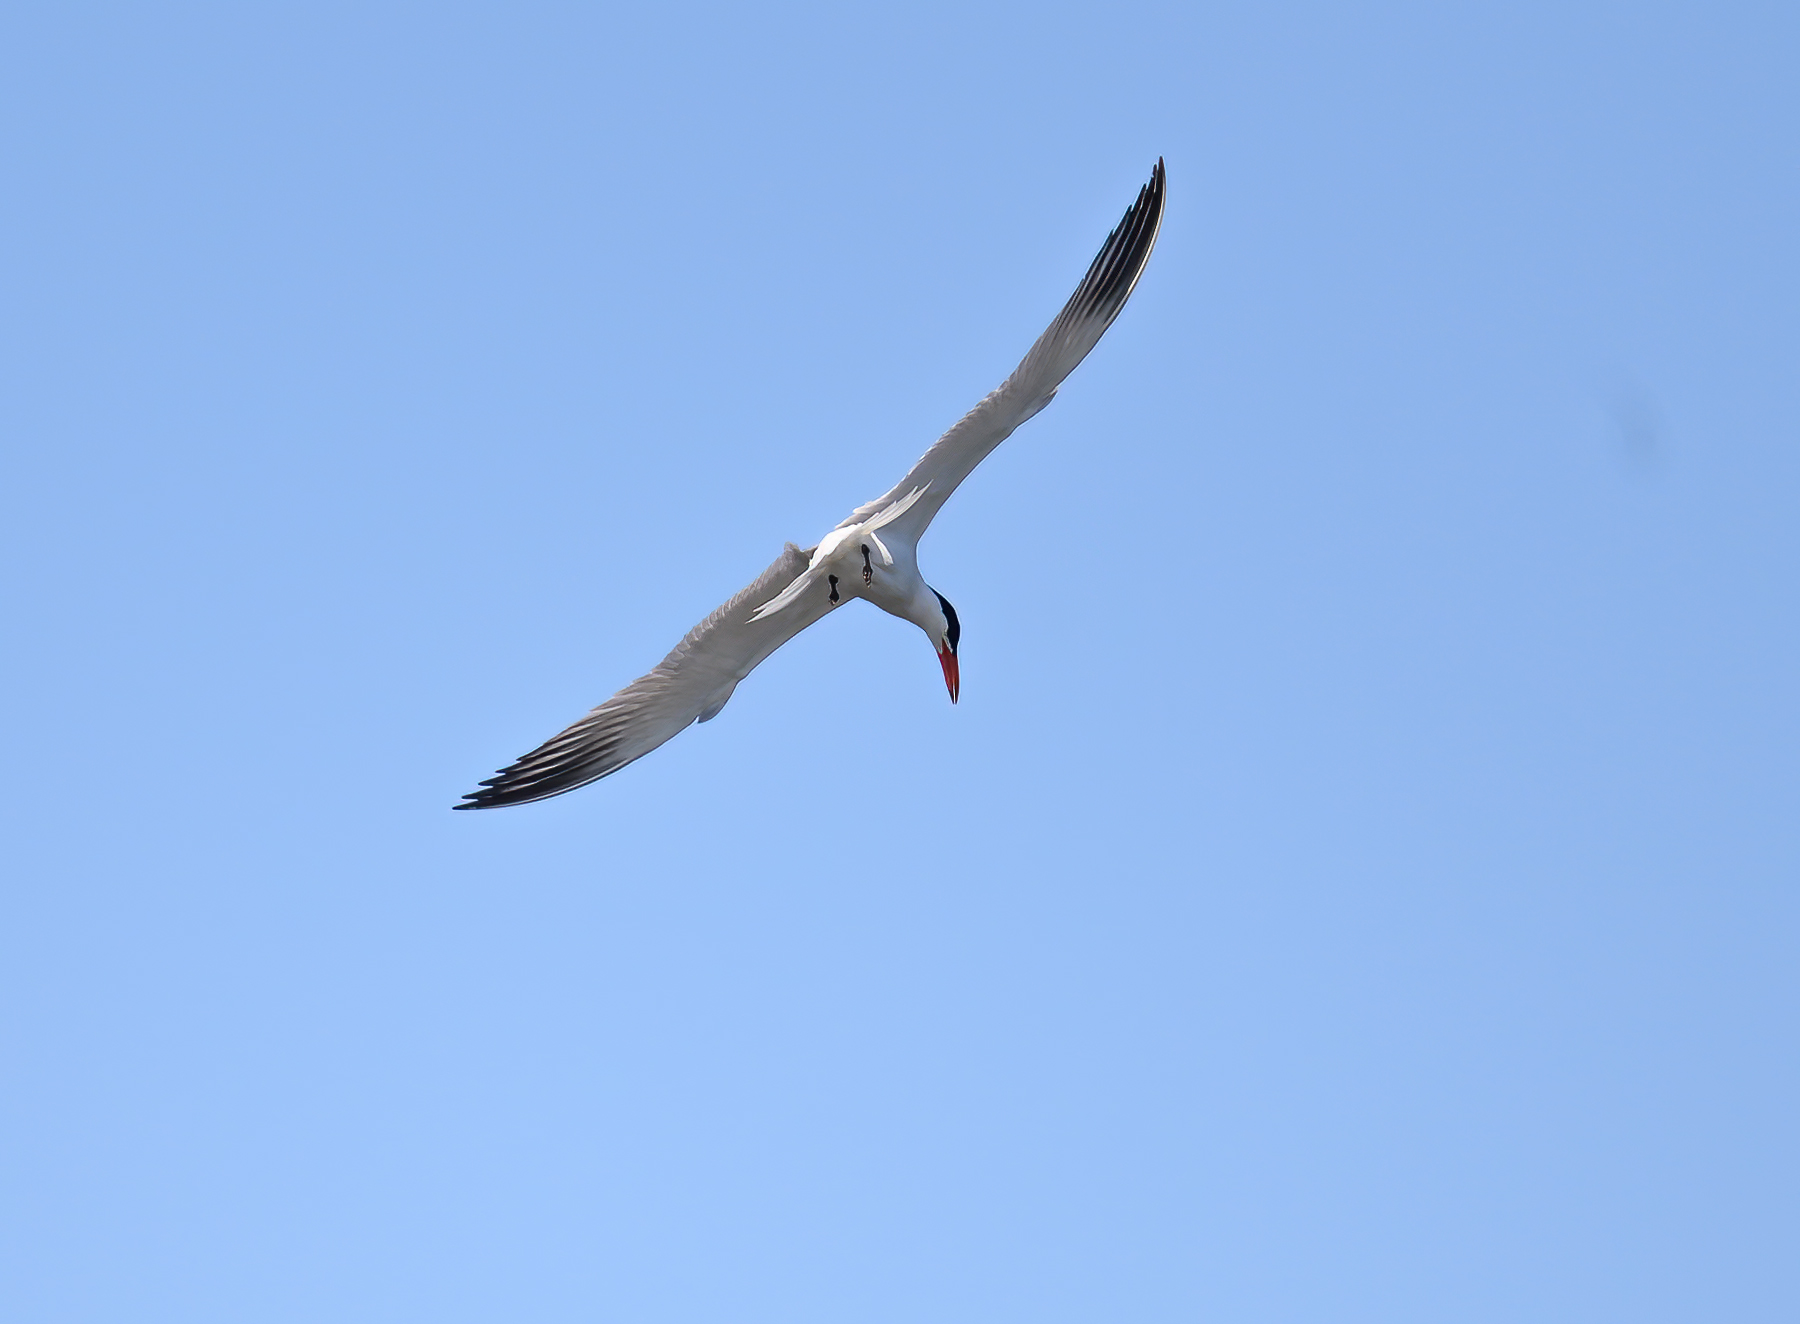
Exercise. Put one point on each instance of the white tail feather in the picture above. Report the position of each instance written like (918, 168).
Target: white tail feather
(896, 510)
(787, 595)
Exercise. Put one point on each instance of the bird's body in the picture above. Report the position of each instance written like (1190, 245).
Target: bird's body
(873, 554)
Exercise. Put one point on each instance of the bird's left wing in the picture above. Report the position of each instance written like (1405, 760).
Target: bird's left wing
(1064, 344)
(690, 685)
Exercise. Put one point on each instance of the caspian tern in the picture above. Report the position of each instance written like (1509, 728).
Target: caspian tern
(873, 554)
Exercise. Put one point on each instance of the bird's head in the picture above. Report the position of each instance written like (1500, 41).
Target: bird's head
(945, 637)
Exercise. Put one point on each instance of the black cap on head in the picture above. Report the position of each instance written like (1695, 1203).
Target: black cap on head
(955, 631)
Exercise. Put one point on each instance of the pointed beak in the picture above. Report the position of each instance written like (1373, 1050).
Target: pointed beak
(952, 676)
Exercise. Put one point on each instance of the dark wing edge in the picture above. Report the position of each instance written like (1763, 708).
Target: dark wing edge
(1099, 298)
(697, 675)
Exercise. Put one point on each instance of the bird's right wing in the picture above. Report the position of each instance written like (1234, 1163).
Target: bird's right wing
(1076, 330)
(691, 684)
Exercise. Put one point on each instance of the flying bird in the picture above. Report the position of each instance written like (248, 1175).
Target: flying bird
(873, 555)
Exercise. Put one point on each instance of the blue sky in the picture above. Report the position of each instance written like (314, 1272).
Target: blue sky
(1358, 883)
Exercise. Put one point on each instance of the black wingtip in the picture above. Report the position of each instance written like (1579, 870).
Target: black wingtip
(1159, 178)
(490, 795)
(1120, 261)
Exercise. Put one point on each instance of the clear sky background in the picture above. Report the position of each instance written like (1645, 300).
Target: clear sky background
(1358, 883)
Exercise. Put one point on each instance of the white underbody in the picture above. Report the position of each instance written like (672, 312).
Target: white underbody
(869, 559)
